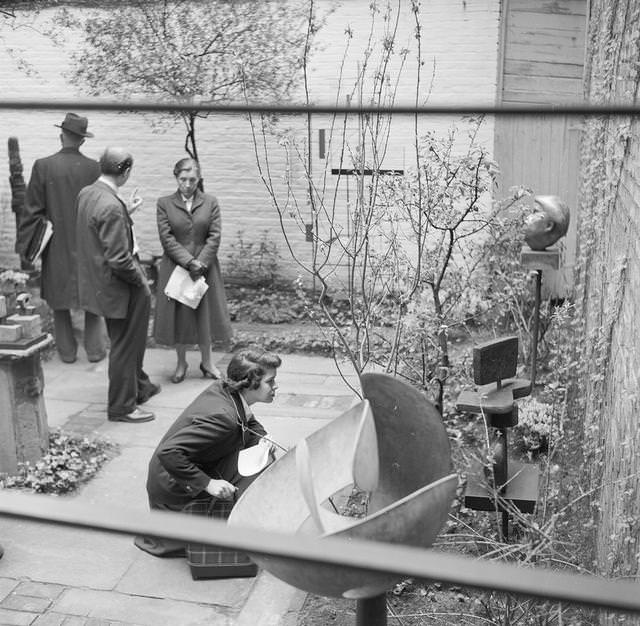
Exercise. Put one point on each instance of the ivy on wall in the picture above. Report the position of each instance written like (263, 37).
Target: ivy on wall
(603, 394)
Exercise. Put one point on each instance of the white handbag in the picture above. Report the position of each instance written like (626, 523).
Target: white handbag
(180, 287)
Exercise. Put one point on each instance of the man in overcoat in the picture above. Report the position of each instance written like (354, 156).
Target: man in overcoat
(51, 195)
(112, 283)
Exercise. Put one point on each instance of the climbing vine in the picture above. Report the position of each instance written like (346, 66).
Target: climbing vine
(603, 393)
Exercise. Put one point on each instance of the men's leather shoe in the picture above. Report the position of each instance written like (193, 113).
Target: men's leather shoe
(96, 358)
(136, 416)
(150, 390)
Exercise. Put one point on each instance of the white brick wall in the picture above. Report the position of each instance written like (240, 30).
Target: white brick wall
(459, 47)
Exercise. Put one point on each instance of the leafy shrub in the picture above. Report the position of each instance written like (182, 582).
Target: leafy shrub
(264, 306)
(70, 461)
(254, 262)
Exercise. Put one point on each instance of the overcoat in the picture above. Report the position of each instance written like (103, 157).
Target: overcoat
(107, 265)
(201, 444)
(51, 194)
(186, 236)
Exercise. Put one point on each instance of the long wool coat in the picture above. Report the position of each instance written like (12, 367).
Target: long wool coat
(52, 191)
(203, 443)
(184, 236)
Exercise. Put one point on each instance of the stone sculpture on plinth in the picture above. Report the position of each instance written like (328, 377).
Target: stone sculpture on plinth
(24, 434)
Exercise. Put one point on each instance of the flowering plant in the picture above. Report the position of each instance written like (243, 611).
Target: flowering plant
(10, 281)
(70, 461)
(536, 426)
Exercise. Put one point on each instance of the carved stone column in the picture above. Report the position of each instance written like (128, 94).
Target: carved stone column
(24, 432)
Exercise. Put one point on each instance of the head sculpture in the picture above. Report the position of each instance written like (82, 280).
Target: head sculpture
(547, 224)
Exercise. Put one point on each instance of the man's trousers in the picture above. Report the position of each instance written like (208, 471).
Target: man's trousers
(128, 337)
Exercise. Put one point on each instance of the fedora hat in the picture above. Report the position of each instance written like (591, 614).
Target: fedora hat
(75, 124)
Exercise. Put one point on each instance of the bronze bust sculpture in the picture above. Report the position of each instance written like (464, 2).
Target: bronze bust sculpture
(548, 223)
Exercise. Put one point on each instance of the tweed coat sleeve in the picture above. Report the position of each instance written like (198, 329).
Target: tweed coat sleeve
(188, 450)
(212, 243)
(175, 250)
(114, 234)
(200, 439)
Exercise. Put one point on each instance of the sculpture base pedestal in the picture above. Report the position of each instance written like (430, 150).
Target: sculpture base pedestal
(540, 259)
(24, 433)
(521, 490)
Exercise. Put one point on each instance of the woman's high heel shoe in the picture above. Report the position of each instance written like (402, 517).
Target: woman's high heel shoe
(178, 378)
(208, 373)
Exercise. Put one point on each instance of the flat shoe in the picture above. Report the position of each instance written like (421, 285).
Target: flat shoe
(208, 373)
(136, 416)
(178, 378)
(157, 547)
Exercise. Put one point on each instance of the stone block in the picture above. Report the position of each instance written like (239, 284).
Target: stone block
(540, 259)
(3, 306)
(31, 324)
(23, 417)
(10, 332)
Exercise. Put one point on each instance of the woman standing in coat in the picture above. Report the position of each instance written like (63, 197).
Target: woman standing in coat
(189, 226)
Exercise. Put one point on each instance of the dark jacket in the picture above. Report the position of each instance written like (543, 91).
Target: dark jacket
(186, 236)
(53, 188)
(203, 443)
(107, 267)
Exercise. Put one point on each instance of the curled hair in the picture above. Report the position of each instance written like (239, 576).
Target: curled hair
(185, 165)
(247, 367)
(115, 161)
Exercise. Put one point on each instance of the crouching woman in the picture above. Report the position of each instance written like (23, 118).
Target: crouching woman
(197, 459)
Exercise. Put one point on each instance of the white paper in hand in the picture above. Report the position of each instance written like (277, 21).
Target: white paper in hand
(180, 287)
(254, 459)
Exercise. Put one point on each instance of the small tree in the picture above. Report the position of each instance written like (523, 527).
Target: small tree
(414, 253)
(195, 51)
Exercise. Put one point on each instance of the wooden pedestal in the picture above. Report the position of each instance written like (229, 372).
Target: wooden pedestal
(521, 489)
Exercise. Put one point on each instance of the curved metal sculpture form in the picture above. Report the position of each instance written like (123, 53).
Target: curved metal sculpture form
(393, 445)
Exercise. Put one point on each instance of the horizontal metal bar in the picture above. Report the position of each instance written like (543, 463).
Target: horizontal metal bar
(201, 106)
(403, 561)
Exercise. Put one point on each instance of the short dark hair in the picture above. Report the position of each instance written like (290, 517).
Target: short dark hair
(115, 161)
(247, 367)
(186, 164)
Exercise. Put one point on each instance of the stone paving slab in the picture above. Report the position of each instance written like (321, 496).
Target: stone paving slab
(121, 482)
(270, 602)
(7, 585)
(171, 579)
(139, 610)
(8, 617)
(64, 555)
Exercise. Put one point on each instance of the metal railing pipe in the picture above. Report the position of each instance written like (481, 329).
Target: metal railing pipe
(404, 561)
(176, 106)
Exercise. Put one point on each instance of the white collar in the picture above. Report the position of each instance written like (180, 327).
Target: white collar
(107, 181)
(245, 406)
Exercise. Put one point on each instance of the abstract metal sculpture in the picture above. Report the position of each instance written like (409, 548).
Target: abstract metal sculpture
(393, 445)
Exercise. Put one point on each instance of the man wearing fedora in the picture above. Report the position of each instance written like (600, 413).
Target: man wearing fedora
(51, 195)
